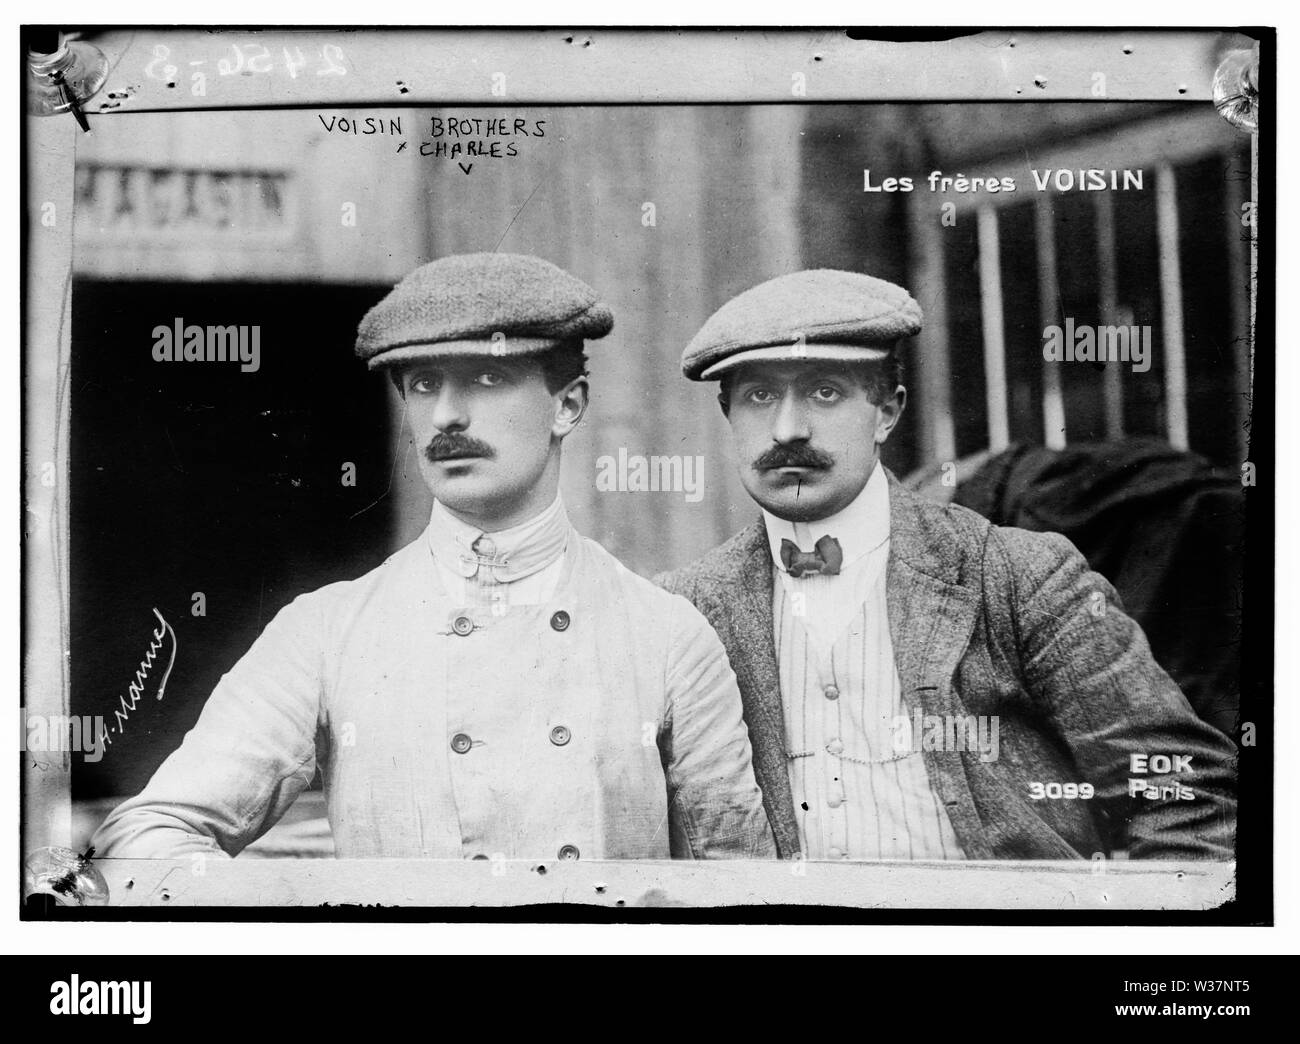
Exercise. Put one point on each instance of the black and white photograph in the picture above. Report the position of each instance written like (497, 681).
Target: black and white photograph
(671, 473)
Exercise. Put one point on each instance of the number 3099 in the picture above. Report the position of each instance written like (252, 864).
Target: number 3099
(1056, 791)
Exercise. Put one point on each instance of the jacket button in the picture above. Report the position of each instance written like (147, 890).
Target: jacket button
(461, 743)
(560, 735)
(568, 852)
(560, 620)
(832, 693)
(462, 625)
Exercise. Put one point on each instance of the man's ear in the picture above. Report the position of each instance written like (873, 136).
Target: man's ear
(570, 406)
(888, 414)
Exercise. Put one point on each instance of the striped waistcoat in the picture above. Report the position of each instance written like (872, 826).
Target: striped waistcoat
(857, 793)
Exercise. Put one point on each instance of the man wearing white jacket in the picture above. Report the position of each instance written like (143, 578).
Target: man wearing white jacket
(501, 687)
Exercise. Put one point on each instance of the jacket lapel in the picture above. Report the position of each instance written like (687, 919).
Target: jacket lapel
(752, 651)
(931, 618)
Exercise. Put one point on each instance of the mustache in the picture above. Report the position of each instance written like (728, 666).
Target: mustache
(450, 445)
(793, 456)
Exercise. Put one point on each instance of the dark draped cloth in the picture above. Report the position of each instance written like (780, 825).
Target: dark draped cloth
(1164, 526)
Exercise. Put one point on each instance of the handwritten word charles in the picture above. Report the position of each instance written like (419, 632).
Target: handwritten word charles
(494, 137)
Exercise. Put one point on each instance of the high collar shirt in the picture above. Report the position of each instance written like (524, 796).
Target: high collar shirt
(515, 566)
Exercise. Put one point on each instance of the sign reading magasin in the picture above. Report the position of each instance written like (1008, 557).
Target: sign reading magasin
(131, 200)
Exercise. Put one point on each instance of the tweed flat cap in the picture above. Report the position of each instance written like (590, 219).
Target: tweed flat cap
(480, 304)
(818, 314)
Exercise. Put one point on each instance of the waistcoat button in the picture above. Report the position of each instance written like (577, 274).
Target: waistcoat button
(568, 852)
(560, 735)
(461, 743)
(832, 693)
(560, 620)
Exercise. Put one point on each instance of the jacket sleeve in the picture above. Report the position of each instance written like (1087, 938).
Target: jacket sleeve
(1089, 668)
(715, 808)
(252, 751)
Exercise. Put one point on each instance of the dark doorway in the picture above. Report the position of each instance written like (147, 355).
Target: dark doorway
(210, 493)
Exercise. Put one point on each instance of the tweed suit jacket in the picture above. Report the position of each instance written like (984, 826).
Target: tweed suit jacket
(989, 620)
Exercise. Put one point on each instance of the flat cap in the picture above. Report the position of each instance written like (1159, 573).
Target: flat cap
(480, 304)
(817, 314)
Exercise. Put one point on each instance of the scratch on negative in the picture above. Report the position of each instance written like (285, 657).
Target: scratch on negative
(516, 217)
(392, 472)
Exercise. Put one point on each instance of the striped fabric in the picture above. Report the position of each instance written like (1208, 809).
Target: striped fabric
(855, 796)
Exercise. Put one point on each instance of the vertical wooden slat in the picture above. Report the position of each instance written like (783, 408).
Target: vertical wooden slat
(1235, 236)
(1049, 313)
(1171, 306)
(47, 356)
(933, 371)
(995, 364)
(1254, 256)
(562, 226)
(684, 254)
(1108, 305)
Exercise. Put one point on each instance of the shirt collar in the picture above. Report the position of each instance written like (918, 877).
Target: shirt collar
(860, 527)
(512, 553)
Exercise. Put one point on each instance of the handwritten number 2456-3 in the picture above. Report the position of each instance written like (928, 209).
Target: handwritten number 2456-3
(253, 58)
(257, 59)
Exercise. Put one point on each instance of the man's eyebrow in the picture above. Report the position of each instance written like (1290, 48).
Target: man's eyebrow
(829, 376)
(519, 369)
(414, 373)
(791, 377)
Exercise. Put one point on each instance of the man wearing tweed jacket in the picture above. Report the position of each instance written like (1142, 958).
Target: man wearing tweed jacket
(918, 683)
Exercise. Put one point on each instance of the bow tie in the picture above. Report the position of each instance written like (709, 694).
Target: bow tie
(825, 558)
